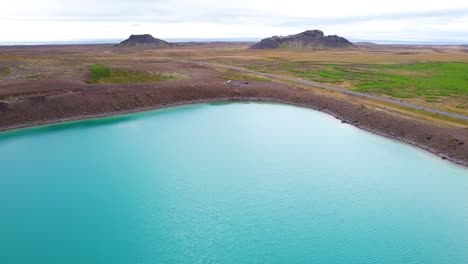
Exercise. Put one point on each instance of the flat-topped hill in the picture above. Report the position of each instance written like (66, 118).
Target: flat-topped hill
(144, 40)
(312, 39)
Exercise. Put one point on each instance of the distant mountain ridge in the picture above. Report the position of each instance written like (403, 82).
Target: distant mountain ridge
(313, 39)
(144, 40)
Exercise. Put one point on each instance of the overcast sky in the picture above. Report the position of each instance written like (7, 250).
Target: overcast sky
(61, 20)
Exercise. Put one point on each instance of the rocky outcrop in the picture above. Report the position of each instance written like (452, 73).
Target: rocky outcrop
(311, 39)
(144, 40)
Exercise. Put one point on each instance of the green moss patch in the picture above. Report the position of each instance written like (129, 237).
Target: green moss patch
(101, 74)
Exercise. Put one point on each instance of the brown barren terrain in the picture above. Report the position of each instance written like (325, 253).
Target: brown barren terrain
(47, 84)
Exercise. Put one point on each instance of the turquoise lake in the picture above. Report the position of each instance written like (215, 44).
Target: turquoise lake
(226, 183)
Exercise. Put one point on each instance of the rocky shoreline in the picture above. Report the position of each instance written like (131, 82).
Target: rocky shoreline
(82, 101)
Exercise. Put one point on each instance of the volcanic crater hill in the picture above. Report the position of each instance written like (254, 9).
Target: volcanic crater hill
(310, 39)
(144, 40)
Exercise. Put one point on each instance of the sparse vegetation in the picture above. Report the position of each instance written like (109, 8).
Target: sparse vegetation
(4, 72)
(101, 74)
(239, 76)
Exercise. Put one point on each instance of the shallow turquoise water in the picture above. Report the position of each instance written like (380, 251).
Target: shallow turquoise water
(226, 183)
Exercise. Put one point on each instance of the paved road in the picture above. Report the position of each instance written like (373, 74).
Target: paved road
(329, 87)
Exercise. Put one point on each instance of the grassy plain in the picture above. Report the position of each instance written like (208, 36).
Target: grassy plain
(429, 80)
(430, 76)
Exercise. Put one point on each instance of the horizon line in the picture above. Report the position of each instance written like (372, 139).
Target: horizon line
(104, 41)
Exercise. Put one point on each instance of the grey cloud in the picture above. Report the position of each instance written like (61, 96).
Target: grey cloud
(440, 15)
(137, 12)
(161, 11)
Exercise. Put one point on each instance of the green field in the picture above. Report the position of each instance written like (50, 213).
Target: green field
(101, 74)
(428, 80)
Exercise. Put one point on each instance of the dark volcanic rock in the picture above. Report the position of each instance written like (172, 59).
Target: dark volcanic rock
(314, 39)
(3, 106)
(144, 40)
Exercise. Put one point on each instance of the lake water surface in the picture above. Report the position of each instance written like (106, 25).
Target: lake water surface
(226, 183)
